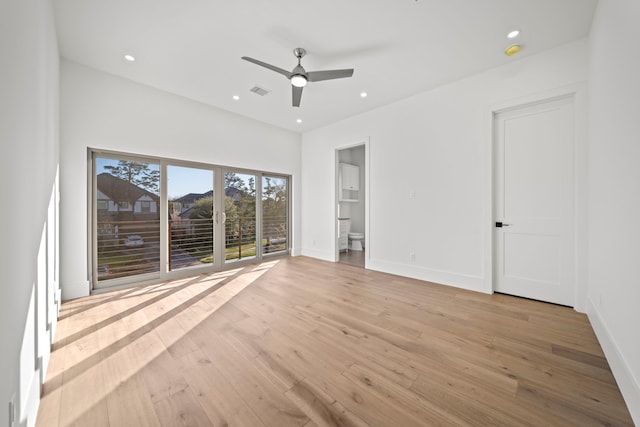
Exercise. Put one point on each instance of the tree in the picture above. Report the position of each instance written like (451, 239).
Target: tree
(202, 209)
(136, 173)
(274, 207)
(232, 180)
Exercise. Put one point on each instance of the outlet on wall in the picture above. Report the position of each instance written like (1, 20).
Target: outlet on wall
(412, 256)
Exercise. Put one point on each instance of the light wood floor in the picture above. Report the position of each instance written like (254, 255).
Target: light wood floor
(309, 343)
(355, 258)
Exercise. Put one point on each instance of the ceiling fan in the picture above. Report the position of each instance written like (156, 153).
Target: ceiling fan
(299, 76)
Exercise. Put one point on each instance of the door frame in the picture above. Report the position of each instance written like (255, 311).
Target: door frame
(579, 96)
(336, 194)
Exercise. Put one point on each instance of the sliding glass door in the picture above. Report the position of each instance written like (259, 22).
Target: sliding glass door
(126, 211)
(191, 234)
(162, 218)
(240, 225)
(275, 214)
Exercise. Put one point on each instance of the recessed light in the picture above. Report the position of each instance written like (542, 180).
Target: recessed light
(299, 121)
(236, 97)
(512, 50)
(513, 34)
(130, 58)
(363, 94)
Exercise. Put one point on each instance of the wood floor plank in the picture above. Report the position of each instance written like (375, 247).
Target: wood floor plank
(302, 342)
(216, 395)
(181, 409)
(357, 398)
(403, 399)
(130, 405)
(322, 409)
(260, 389)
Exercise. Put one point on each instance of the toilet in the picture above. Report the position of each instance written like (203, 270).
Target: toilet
(355, 241)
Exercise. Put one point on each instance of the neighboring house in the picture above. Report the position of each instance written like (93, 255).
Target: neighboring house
(120, 200)
(183, 204)
(124, 208)
(186, 202)
(182, 208)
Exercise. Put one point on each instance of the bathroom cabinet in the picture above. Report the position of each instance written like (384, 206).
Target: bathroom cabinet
(349, 182)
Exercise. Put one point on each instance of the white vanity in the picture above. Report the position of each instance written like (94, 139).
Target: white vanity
(343, 236)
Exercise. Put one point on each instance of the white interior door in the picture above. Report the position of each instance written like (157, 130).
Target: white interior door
(533, 197)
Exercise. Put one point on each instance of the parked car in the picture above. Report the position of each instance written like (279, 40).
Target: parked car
(134, 241)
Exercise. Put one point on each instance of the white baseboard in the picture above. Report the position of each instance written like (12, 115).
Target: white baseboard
(469, 282)
(75, 290)
(629, 386)
(315, 253)
(29, 407)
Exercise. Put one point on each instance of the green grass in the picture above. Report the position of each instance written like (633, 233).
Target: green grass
(231, 252)
(248, 250)
(120, 259)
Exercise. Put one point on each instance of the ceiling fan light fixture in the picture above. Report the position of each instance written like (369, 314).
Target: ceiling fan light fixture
(299, 80)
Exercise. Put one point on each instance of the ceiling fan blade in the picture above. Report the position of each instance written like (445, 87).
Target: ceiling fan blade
(297, 95)
(285, 73)
(317, 76)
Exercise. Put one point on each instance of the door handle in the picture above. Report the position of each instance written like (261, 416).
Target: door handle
(501, 224)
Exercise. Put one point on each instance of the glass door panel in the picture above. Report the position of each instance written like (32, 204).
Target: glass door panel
(191, 234)
(275, 212)
(240, 216)
(127, 218)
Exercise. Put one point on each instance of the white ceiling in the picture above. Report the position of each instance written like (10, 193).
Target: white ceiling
(397, 47)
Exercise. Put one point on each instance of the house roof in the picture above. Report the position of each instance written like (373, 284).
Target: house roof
(235, 193)
(120, 190)
(193, 197)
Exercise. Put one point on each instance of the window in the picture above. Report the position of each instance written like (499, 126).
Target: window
(125, 244)
(158, 217)
(240, 216)
(275, 214)
(191, 217)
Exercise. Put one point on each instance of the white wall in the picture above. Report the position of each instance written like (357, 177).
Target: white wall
(436, 144)
(99, 110)
(614, 210)
(29, 150)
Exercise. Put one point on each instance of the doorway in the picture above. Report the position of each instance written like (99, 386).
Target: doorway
(534, 201)
(351, 205)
